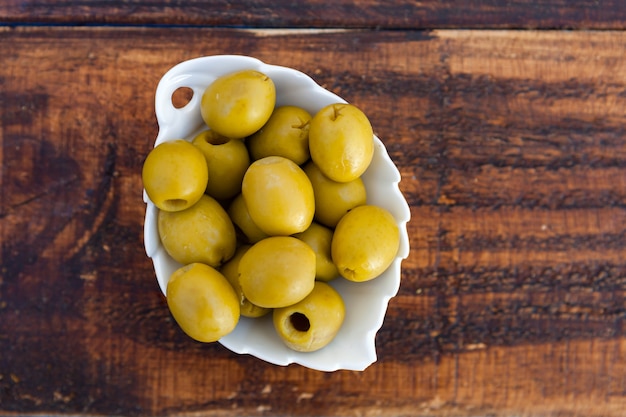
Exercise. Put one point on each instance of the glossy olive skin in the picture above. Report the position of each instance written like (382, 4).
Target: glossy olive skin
(202, 302)
(227, 162)
(175, 175)
(341, 141)
(240, 216)
(312, 323)
(334, 199)
(231, 271)
(365, 243)
(277, 272)
(202, 233)
(279, 196)
(319, 238)
(238, 104)
(286, 134)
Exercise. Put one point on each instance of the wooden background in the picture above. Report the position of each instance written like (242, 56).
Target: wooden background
(506, 119)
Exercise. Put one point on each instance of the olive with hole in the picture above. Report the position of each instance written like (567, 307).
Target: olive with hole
(227, 161)
(278, 195)
(312, 323)
(175, 175)
(365, 243)
(277, 271)
(334, 199)
(202, 302)
(319, 238)
(238, 104)
(231, 271)
(341, 141)
(286, 134)
(202, 233)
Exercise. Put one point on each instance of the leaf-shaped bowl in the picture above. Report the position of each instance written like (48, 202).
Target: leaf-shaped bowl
(366, 303)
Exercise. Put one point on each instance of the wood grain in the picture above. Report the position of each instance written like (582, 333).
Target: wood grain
(512, 149)
(373, 14)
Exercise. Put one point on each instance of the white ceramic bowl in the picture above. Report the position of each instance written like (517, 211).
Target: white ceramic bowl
(366, 303)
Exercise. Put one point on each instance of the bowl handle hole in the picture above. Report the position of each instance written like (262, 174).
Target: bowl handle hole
(181, 97)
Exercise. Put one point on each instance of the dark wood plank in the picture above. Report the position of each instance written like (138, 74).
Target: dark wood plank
(406, 14)
(511, 146)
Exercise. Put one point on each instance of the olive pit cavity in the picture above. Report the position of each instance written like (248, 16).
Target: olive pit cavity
(300, 322)
(175, 203)
(216, 139)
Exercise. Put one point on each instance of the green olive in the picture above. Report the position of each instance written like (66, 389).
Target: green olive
(277, 271)
(365, 243)
(286, 134)
(231, 271)
(202, 302)
(202, 233)
(279, 196)
(240, 216)
(227, 161)
(341, 141)
(334, 199)
(312, 323)
(238, 104)
(175, 175)
(319, 239)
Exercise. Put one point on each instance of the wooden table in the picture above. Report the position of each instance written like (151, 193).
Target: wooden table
(507, 120)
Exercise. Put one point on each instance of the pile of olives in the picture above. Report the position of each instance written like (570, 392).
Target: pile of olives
(263, 208)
